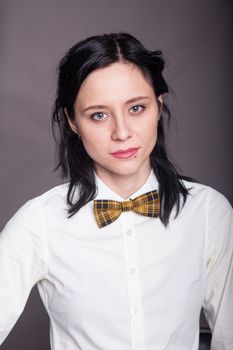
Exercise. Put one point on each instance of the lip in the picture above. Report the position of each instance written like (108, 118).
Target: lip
(127, 153)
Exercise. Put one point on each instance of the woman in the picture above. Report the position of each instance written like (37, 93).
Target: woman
(128, 251)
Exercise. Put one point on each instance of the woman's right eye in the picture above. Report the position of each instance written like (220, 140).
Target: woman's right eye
(99, 116)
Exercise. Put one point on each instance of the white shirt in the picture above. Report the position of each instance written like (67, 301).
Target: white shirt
(132, 285)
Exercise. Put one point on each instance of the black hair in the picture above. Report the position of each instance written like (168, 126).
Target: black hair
(73, 161)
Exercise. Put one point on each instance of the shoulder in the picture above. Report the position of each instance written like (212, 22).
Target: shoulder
(31, 214)
(208, 200)
(206, 193)
(54, 197)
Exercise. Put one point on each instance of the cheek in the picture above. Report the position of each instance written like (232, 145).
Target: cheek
(149, 133)
(91, 150)
(94, 143)
(151, 140)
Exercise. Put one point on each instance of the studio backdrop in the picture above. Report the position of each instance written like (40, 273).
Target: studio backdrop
(195, 38)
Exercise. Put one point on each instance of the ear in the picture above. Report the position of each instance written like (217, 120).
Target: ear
(71, 122)
(160, 104)
(160, 101)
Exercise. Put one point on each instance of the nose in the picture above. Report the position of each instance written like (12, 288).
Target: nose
(121, 129)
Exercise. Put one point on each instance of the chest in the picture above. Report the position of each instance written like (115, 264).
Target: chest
(90, 267)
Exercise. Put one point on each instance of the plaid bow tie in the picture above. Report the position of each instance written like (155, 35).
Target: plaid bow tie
(106, 211)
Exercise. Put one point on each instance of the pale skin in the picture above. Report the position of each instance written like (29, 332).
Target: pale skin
(116, 115)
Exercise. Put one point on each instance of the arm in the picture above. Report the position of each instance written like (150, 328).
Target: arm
(218, 303)
(22, 263)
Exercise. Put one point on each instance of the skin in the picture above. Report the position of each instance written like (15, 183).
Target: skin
(116, 109)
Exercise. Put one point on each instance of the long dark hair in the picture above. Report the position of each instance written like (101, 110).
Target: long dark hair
(73, 161)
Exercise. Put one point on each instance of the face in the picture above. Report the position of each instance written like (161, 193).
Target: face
(116, 115)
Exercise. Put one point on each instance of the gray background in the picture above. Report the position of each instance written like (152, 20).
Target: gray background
(196, 39)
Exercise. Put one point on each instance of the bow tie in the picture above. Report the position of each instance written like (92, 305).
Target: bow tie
(106, 211)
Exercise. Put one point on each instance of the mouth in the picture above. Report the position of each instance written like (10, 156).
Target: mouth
(127, 153)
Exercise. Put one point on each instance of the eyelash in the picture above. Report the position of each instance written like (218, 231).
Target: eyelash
(140, 106)
(95, 115)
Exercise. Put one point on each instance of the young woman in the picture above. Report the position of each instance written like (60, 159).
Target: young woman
(128, 251)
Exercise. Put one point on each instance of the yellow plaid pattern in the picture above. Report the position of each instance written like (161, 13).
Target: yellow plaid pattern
(106, 211)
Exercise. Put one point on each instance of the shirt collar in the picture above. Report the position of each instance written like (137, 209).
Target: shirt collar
(104, 192)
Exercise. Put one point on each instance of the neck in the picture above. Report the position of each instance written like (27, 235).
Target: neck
(124, 185)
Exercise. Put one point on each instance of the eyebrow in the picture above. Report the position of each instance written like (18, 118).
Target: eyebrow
(131, 100)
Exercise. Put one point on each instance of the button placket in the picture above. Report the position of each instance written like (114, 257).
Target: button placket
(133, 283)
(132, 271)
(129, 232)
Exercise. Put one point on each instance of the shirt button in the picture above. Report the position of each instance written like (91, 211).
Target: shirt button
(129, 232)
(134, 311)
(132, 271)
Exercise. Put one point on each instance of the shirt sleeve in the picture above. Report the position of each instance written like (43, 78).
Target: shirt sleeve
(218, 303)
(22, 263)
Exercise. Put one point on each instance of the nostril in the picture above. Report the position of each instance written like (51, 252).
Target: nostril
(122, 133)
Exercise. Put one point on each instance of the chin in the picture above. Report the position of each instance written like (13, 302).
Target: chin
(122, 170)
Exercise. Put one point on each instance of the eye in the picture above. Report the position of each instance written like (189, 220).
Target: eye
(99, 116)
(137, 108)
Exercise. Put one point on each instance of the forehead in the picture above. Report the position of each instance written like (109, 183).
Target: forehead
(118, 80)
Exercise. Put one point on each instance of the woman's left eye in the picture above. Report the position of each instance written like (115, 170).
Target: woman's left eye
(137, 108)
